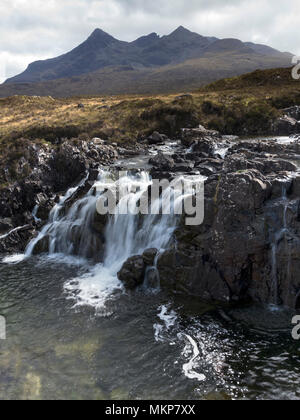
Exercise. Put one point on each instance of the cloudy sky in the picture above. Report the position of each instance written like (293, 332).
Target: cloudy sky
(37, 29)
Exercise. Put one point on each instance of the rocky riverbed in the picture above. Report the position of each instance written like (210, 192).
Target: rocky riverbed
(248, 246)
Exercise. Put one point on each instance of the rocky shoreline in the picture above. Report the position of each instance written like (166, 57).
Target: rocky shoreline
(248, 246)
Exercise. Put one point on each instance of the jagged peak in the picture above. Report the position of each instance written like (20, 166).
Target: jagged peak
(99, 31)
(181, 30)
(182, 33)
(144, 40)
(99, 34)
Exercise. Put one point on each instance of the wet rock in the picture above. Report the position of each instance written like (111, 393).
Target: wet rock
(149, 256)
(286, 125)
(194, 135)
(184, 167)
(162, 162)
(5, 225)
(281, 185)
(238, 162)
(152, 279)
(296, 186)
(132, 273)
(98, 142)
(16, 241)
(221, 259)
(50, 171)
(191, 273)
(293, 112)
(45, 209)
(205, 145)
(99, 223)
(42, 246)
(157, 138)
(205, 169)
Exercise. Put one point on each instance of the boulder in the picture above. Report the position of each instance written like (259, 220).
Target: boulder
(132, 274)
(185, 167)
(286, 125)
(162, 162)
(149, 256)
(156, 138)
(193, 135)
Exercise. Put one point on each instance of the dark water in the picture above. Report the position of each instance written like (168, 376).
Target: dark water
(141, 346)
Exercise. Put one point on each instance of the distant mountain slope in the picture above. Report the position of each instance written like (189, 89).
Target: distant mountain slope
(179, 61)
(102, 50)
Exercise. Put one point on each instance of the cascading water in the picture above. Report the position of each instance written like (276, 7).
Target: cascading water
(152, 278)
(281, 234)
(57, 229)
(34, 214)
(126, 233)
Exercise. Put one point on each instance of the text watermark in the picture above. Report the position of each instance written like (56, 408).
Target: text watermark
(296, 329)
(2, 328)
(296, 68)
(181, 196)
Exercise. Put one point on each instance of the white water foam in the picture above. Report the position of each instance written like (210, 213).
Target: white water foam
(162, 331)
(94, 288)
(221, 151)
(189, 367)
(169, 318)
(13, 259)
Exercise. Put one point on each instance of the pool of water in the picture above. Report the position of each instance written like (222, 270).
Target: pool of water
(139, 345)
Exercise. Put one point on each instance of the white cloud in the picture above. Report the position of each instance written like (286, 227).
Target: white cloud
(35, 29)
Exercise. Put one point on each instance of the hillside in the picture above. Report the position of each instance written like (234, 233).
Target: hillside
(248, 103)
(104, 65)
(271, 78)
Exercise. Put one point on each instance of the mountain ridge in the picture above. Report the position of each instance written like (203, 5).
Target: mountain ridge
(146, 56)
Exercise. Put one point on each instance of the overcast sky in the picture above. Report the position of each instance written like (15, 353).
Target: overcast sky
(37, 29)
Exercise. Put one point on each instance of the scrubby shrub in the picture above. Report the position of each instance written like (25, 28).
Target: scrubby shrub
(210, 108)
(170, 119)
(255, 118)
(285, 101)
(18, 159)
(53, 134)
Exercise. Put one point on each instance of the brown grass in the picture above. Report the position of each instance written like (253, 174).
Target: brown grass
(230, 105)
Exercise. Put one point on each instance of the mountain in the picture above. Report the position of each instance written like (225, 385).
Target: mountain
(102, 50)
(264, 49)
(180, 60)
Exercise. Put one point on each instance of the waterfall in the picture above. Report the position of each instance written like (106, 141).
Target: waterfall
(274, 248)
(152, 278)
(57, 228)
(34, 214)
(68, 232)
